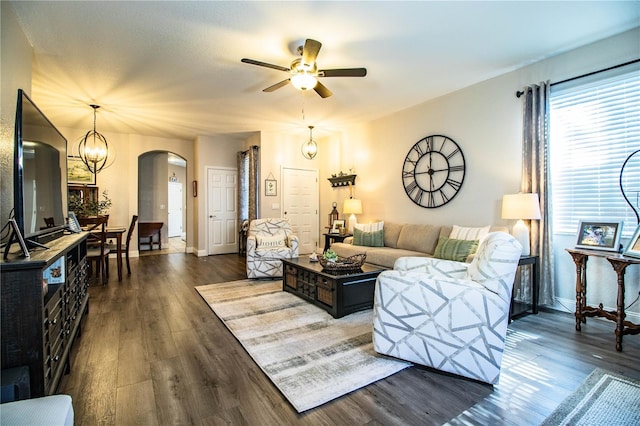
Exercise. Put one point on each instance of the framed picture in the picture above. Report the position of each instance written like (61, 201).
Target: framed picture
(270, 187)
(599, 235)
(338, 227)
(77, 172)
(633, 249)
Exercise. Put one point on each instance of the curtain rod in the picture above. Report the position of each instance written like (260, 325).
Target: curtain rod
(521, 92)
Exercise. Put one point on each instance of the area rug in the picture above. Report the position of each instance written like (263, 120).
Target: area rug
(311, 357)
(603, 398)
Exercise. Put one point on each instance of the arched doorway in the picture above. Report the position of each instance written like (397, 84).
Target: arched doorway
(162, 178)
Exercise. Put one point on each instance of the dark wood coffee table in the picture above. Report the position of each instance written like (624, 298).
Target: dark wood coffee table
(338, 293)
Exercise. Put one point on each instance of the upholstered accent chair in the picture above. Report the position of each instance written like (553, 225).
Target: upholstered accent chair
(268, 242)
(451, 316)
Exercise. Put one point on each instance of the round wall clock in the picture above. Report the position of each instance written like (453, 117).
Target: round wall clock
(433, 171)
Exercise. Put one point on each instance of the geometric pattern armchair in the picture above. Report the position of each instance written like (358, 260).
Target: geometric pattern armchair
(448, 315)
(268, 242)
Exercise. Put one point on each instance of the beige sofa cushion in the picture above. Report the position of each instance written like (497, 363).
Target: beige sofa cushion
(386, 256)
(391, 234)
(422, 238)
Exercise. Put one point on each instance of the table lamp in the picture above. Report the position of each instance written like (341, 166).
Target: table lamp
(353, 207)
(521, 207)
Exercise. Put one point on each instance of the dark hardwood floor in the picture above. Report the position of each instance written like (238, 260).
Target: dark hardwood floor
(152, 352)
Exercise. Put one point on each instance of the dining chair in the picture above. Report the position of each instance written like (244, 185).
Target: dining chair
(127, 243)
(97, 250)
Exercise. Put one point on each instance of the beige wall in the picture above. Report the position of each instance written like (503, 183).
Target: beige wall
(212, 151)
(15, 63)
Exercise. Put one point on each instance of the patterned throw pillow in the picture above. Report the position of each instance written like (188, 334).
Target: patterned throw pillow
(464, 233)
(368, 239)
(453, 249)
(369, 227)
(271, 241)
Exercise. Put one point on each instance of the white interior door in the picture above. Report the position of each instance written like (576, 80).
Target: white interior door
(174, 203)
(300, 206)
(222, 194)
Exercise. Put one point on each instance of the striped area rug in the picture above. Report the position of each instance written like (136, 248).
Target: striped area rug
(604, 398)
(311, 357)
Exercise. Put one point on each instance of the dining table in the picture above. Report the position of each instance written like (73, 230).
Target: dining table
(116, 232)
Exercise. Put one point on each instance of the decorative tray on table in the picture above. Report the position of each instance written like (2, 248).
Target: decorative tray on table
(343, 264)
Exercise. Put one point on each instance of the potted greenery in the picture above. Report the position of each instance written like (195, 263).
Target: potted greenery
(90, 208)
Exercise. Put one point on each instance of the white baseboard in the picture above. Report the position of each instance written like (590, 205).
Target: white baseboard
(569, 305)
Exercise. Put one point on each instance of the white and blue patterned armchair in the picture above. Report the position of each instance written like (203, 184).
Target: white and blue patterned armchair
(451, 316)
(268, 242)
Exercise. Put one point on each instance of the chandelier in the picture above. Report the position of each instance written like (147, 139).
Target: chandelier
(310, 148)
(94, 149)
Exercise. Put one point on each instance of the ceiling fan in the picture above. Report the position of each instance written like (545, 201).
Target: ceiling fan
(304, 70)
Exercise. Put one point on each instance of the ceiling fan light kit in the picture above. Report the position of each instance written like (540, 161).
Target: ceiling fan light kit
(304, 70)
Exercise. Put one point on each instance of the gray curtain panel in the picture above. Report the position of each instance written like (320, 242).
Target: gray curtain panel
(536, 178)
(248, 184)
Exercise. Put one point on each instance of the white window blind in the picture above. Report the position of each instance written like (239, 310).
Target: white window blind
(594, 127)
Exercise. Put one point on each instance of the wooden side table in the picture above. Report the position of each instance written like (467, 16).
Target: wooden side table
(619, 263)
(332, 238)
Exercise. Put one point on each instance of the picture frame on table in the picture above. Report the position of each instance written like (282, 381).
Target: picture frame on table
(599, 235)
(270, 187)
(633, 249)
(338, 226)
(78, 173)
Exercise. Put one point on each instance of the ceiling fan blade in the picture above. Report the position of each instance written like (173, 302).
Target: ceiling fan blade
(322, 90)
(310, 51)
(276, 86)
(344, 72)
(264, 64)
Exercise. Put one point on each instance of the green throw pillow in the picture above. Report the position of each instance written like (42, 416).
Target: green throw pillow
(369, 239)
(452, 249)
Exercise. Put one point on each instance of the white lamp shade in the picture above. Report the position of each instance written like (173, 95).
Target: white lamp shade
(352, 206)
(520, 206)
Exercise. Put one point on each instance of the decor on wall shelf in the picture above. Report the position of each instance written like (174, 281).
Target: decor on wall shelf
(599, 235)
(94, 149)
(521, 207)
(342, 180)
(270, 186)
(310, 148)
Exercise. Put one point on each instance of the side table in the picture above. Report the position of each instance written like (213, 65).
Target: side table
(619, 263)
(514, 313)
(332, 238)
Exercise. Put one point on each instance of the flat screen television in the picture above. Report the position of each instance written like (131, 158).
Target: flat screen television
(39, 173)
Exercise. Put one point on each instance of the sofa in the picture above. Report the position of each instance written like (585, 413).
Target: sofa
(408, 240)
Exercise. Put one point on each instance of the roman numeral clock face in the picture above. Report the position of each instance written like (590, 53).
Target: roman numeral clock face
(433, 171)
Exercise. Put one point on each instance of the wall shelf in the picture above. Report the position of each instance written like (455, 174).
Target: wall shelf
(345, 180)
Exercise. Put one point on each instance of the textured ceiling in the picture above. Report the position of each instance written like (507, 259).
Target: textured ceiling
(173, 69)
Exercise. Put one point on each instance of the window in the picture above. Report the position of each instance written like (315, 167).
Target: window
(594, 127)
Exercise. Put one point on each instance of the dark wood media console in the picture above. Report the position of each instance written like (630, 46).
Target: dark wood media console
(43, 301)
(339, 294)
